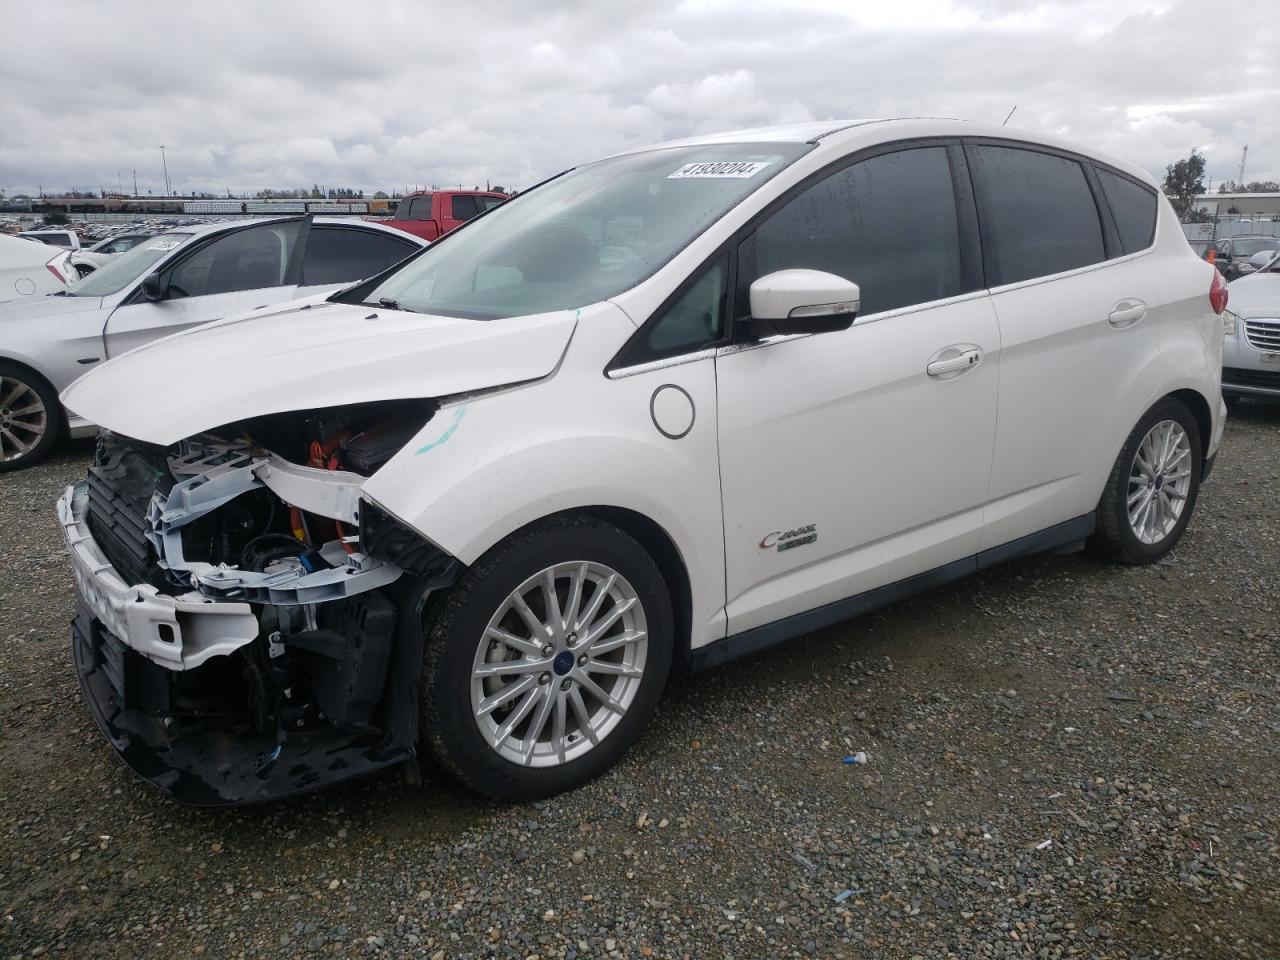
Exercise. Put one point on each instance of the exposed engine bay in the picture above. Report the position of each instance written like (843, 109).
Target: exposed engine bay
(241, 634)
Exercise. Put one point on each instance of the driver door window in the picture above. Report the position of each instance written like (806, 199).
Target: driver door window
(245, 260)
(887, 223)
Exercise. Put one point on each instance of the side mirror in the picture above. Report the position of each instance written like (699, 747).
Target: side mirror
(153, 288)
(802, 301)
(1261, 259)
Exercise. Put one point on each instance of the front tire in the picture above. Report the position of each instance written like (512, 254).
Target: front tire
(1151, 492)
(547, 659)
(29, 418)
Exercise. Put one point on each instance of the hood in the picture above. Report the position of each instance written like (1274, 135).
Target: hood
(313, 355)
(1255, 296)
(31, 308)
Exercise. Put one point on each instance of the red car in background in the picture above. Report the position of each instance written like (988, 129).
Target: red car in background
(431, 214)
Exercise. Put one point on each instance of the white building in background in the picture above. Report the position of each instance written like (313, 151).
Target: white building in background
(1252, 206)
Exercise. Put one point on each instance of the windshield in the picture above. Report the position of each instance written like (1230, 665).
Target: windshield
(585, 236)
(121, 271)
(1247, 248)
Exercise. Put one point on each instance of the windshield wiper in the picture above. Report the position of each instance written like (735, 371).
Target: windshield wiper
(388, 303)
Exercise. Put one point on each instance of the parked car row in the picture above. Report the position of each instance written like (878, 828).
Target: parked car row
(665, 409)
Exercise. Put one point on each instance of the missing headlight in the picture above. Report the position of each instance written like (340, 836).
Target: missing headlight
(386, 538)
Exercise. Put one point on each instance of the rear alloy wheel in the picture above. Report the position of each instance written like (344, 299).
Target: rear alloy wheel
(1153, 486)
(547, 659)
(29, 415)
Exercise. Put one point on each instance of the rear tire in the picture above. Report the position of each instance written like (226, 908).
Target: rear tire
(1151, 492)
(547, 659)
(30, 417)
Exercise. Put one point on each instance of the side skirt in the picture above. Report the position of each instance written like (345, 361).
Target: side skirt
(1068, 533)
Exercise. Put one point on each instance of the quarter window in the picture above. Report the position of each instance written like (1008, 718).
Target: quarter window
(887, 223)
(693, 321)
(1133, 207)
(1036, 212)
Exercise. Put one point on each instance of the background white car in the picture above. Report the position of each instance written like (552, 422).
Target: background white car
(667, 408)
(88, 259)
(171, 282)
(67, 239)
(30, 269)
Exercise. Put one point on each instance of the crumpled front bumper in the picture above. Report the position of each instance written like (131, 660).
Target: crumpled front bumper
(177, 633)
(129, 641)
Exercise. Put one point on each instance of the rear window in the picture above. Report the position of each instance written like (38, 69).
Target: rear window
(1036, 211)
(1133, 207)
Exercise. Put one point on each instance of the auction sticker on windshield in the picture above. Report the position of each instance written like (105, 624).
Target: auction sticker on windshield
(719, 170)
(164, 245)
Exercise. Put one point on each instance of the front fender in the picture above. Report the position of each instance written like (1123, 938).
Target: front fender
(483, 469)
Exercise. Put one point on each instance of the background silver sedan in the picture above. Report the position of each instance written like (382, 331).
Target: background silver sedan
(172, 281)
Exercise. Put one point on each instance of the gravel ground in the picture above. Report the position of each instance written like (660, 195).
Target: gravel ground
(1065, 758)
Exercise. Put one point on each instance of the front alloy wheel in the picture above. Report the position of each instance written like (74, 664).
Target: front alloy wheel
(27, 418)
(559, 664)
(547, 658)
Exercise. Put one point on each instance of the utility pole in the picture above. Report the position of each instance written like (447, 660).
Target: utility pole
(135, 183)
(168, 191)
(1240, 178)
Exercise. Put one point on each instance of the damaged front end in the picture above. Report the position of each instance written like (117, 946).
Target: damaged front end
(248, 624)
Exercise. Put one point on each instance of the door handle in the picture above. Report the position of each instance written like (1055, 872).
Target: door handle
(1126, 313)
(964, 360)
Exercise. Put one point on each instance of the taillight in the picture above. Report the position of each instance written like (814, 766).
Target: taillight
(1218, 293)
(54, 270)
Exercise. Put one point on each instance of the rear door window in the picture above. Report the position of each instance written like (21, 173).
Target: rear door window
(465, 207)
(1133, 207)
(1036, 211)
(347, 254)
(887, 223)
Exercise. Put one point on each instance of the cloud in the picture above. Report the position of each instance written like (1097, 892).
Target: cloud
(391, 93)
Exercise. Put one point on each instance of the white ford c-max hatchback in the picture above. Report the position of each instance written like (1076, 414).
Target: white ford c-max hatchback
(665, 409)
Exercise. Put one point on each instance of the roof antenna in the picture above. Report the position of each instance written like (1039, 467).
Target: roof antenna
(1006, 119)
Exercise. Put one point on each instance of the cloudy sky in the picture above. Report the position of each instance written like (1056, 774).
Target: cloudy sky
(396, 93)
